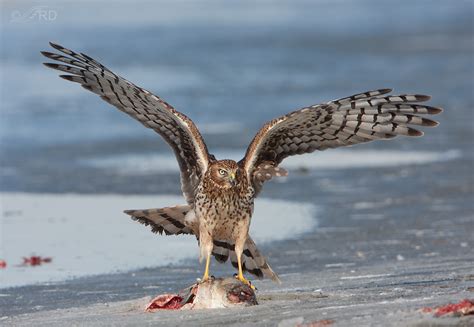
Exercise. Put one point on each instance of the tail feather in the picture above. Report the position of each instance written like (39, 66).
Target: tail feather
(170, 220)
(252, 260)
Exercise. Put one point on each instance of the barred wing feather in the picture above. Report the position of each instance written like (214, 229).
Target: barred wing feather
(178, 130)
(356, 119)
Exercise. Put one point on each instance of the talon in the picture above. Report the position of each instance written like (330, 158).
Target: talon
(252, 286)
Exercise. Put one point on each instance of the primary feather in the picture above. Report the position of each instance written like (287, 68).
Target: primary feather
(360, 118)
(178, 130)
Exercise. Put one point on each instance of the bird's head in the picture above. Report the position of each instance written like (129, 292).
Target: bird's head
(226, 173)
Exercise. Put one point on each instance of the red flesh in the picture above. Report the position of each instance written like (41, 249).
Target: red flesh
(166, 302)
(464, 307)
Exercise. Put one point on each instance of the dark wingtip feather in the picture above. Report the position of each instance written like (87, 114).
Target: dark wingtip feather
(422, 97)
(63, 49)
(50, 65)
(429, 122)
(56, 46)
(45, 53)
(49, 55)
(385, 91)
(435, 110)
(414, 132)
(67, 77)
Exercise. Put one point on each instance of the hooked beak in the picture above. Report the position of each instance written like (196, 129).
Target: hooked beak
(232, 179)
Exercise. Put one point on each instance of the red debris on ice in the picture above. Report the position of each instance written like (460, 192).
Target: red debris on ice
(462, 308)
(35, 260)
(3, 264)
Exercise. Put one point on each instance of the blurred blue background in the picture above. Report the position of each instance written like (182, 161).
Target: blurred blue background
(230, 66)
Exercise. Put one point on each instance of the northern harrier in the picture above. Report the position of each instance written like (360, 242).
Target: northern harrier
(220, 193)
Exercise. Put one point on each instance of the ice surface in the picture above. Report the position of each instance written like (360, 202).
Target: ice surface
(89, 234)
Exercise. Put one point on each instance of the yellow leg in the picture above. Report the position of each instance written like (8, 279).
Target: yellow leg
(240, 276)
(206, 272)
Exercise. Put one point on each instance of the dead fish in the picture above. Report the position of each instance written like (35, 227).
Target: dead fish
(211, 294)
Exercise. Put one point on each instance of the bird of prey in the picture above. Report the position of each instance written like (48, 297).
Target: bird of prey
(220, 194)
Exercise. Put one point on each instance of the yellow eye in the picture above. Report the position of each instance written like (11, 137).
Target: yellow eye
(222, 172)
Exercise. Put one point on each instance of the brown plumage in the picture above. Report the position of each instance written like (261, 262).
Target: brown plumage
(220, 193)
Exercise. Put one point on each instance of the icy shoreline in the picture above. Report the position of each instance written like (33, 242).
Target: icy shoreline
(88, 234)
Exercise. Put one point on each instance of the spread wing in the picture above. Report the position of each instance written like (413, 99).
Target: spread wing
(150, 110)
(356, 119)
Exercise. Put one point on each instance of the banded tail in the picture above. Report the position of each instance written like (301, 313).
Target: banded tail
(172, 221)
(252, 260)
(169, 220)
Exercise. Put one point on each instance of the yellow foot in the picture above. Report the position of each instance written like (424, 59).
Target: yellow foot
(245, 281)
